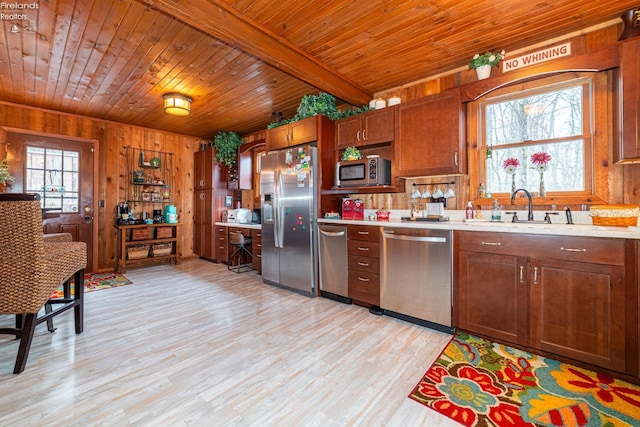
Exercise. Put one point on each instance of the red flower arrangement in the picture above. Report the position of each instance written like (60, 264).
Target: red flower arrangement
(540, 160)
(510, 165)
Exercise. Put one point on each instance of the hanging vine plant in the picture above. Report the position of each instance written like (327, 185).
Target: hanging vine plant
(227, 144)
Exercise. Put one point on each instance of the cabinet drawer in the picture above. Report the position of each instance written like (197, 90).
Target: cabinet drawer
(364, 248)
(579, 249)
(495, 243)
(364, 286)
(363, 232)
(364, 263)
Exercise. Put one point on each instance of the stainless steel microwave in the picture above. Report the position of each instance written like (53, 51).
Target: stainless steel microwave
(363, 172)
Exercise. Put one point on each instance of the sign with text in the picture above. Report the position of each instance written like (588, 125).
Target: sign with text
(536, 57)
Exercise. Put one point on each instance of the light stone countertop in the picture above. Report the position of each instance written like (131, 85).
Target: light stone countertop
(251, 225)
(582, 227)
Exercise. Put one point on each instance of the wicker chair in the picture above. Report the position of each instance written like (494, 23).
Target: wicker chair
(32, 268)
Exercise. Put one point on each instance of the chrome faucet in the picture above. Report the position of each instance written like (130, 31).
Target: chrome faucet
(513, 202)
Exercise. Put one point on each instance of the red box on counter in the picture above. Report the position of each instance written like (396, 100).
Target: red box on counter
(358, 209)
(347, 208)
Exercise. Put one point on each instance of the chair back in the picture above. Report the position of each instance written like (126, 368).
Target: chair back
(22, 260)
(236, 239)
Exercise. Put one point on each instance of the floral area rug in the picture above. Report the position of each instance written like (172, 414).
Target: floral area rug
(97, 281)
(479, 383)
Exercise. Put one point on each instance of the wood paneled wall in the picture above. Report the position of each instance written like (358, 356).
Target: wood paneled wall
(624, 180)
(112, 138)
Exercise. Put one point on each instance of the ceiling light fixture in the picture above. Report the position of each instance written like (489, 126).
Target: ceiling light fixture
(14, 29)
(177, 104)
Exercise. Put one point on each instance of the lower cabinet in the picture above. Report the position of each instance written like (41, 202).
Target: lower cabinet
(256, 249)
(222, 243)
(364, 263)
(558, 294)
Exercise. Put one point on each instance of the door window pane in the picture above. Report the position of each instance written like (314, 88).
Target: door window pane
(54, 174)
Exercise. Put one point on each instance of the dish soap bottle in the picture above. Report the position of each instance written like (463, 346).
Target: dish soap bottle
(496, 215)
(469, 211)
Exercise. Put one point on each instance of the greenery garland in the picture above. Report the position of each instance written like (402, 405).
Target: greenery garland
(227, 144)
(323, 103)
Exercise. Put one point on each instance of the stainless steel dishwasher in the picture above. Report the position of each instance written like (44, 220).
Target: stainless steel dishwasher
(334, 262)
(416, 275)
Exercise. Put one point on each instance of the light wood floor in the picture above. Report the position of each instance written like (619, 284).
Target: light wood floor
(197, 345)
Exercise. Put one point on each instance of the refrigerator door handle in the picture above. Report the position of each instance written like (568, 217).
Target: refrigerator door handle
(278, 220)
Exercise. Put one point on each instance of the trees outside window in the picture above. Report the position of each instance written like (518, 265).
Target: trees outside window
(554, 118)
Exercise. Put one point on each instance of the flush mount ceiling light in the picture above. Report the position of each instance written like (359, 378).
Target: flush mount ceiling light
(177, 104)
(14, 29)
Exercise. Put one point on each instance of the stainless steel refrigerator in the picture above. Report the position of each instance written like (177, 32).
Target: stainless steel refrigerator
(288, 180)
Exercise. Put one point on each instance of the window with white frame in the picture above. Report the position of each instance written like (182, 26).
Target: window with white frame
(539, 132)
(54, 174)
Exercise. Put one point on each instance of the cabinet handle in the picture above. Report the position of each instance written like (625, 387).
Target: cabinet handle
(259, 235)
(358, 135)
(201, 196)
(521, 274)
(455, 158)
(259, 255)
(492, 243)
(360, 248)
(363, 264)
(364, 134)
(258, 245)
(572, 250)
(363, 232)
(363, 279)
(535, 275)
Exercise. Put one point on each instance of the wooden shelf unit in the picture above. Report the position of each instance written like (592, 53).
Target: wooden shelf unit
(125, 242)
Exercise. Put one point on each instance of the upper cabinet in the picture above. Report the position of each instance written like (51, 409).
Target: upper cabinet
(430, 136)
(626, 147)
(203, 165)
(295, 133)
(372, 127)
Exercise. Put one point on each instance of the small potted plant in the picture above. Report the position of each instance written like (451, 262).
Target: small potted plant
(227, 144)
(351, 153)
(5, 177)
(483, 63)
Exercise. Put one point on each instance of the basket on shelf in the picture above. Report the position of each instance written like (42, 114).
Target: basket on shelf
(615, 215)
(140, 233)
(138, 252)
(164, 232)
(161, 249)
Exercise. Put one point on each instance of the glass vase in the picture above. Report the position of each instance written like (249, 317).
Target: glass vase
(542, 192)
(513, 184)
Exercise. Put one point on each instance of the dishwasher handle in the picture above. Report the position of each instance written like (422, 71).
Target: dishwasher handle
(332, 233)
(387, 235)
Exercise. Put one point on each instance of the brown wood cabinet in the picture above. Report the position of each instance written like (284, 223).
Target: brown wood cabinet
(256, 250)
(372, 127)
(430, 136)
(558, 294)
(222, 243)
(364, 263)
(210, 191)
(626, 146)
(295, 133)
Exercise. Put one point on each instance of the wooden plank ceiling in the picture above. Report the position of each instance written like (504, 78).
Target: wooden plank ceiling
(240, 60)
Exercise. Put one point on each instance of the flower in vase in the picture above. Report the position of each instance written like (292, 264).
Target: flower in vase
(511, 165)
(540, 161)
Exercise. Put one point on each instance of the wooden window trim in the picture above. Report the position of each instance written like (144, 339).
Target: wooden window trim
(602, 116)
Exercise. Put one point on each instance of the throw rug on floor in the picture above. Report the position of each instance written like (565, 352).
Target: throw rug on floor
(479, 383)
(97, 281)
